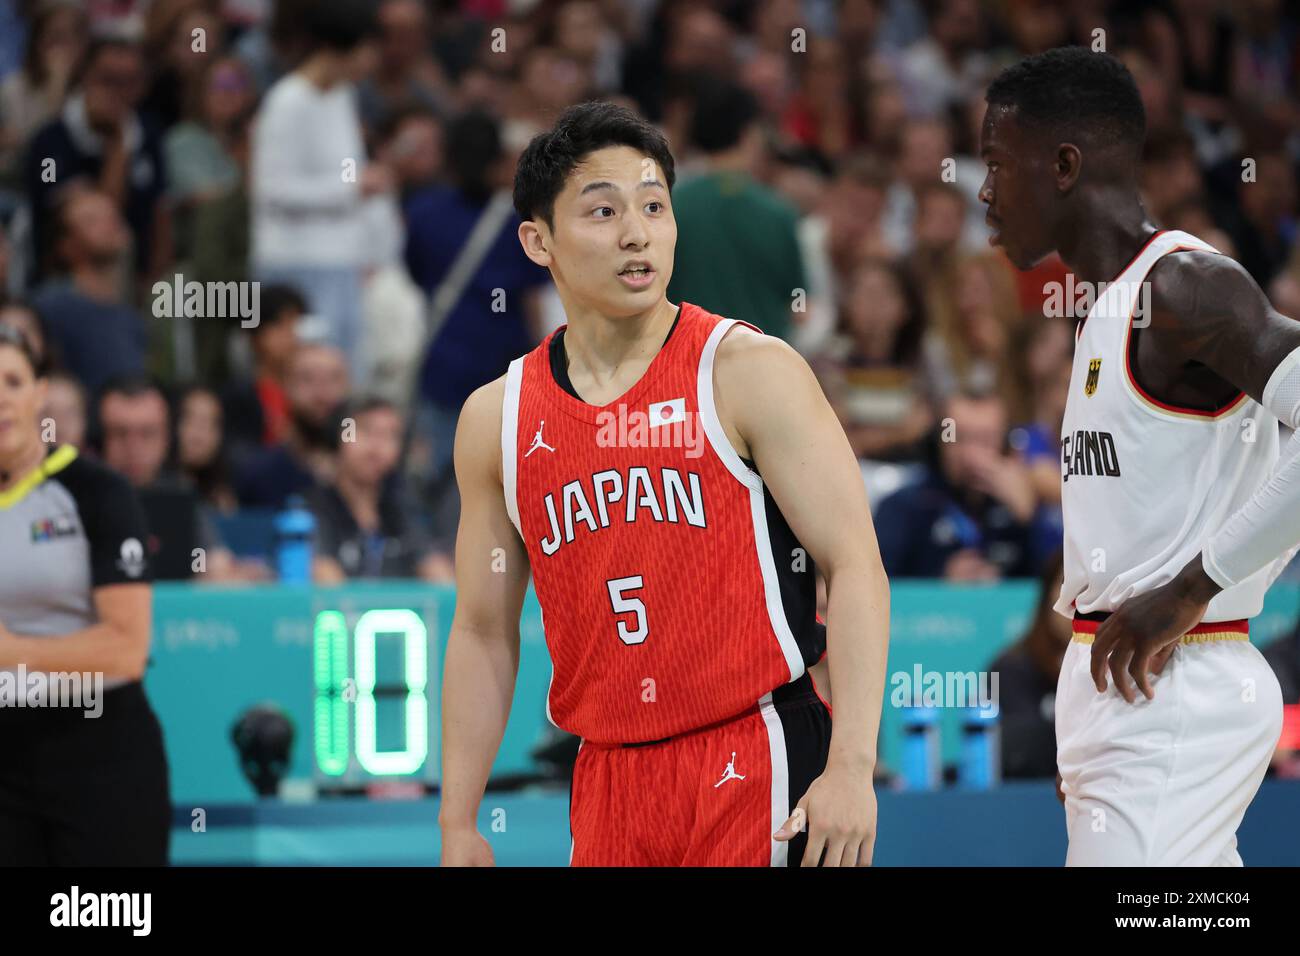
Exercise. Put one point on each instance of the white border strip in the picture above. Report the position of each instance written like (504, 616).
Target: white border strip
(717, 438)
(510, 439)
(781, 808)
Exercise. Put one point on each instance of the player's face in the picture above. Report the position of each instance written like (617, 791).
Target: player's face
(1017, 190)
(614, 236)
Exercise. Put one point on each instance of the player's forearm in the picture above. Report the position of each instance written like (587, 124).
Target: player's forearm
(1263, 529)
(478, 686)
(857, 640)
(101, 648)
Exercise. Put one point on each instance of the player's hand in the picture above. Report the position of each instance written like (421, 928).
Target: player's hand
(839, 813)
(1137, 640)
(465, 846)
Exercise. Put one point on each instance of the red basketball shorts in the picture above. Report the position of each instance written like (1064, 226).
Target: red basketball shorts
(708, 797)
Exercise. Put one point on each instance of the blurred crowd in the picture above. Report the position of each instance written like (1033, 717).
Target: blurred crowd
(355, 159)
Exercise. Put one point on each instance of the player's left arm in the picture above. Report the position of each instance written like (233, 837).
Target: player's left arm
(1205, 308)
(775, 414)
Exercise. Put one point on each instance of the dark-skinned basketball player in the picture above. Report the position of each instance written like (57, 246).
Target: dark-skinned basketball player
(1180, 505)
(669, 477)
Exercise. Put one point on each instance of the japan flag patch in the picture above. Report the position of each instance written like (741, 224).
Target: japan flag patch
(665, 413)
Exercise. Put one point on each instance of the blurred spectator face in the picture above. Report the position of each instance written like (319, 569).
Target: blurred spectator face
(24, 320)
(415, 151)
(65, 403)
(579, 28)
(404, 34)
(887, 114)
(135, 435)
(317, 383)
(767, 76)
(94, 232)
(198, 430)
(1037, 25)
(957, 27)
(925, 145)
(980, 428)
(61, 39)
(229, 92)
(979, 325)
(113, 85)
(701, 39)
(374, 454)
(875, 305)
(850, 205)
(825, 79)
(554, 79)
(940, 216)
(275, 342)
(598, 233)
(1171, 181)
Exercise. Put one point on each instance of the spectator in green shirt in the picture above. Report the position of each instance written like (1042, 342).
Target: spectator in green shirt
(737, 250)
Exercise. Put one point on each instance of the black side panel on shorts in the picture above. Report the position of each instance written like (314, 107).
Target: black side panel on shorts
(807, 730)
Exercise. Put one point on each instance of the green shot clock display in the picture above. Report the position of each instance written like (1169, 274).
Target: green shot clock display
(375, 690)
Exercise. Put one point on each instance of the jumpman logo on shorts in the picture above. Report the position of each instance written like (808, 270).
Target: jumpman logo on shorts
(537, 440)
(730, 772)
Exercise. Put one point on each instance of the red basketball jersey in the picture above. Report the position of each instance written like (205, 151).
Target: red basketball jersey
(673, 593)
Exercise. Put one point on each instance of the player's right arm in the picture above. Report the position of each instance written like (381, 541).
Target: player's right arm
(483, 650)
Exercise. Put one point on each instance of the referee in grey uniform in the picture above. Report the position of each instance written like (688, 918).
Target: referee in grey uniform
(83, 775)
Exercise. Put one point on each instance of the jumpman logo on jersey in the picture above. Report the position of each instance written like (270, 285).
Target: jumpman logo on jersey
(537, 440)
(730, 772)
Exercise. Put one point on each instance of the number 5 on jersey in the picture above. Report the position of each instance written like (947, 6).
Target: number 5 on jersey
(626, 605)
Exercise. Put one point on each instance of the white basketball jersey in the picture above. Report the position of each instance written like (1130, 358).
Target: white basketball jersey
(1146, 483)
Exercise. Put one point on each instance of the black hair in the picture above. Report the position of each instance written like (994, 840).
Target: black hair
(132, 385)
(723, 112)
(581, 130)
(97, 47)
(274, 302)
(1072, 92)
(339, 25)
(14, 338)
(473, 145)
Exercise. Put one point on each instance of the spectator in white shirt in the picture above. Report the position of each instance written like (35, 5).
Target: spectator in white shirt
(310, 177)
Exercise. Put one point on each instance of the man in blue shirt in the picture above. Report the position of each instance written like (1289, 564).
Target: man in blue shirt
(97, 336)
(494, 318)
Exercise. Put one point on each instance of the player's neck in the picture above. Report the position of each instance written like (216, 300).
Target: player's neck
(599, 345)
(1112, 227)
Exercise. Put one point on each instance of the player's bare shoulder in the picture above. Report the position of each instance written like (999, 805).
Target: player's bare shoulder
(478, 434)
(1195, 292)
(758, 378)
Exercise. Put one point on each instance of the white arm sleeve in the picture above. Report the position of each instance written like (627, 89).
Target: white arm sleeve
(1268, 525)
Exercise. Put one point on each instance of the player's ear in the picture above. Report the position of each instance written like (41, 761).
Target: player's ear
(1069, 163)
(533, 240)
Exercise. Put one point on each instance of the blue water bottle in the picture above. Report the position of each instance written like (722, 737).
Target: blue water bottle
(981, 749)
(920, 767)
(295, 527)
